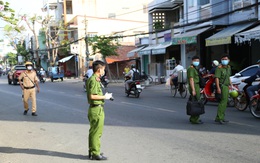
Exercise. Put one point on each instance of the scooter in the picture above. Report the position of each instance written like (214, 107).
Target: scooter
(134, 88)
(207, 93)
(42, 78)
(254, 105)
(242, 101)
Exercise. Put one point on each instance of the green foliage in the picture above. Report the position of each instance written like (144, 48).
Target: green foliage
(23, 52)
(8, 14)
(106, 46)
(12, 58)
(65, 46)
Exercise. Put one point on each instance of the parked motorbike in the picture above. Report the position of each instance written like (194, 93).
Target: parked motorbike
(242, 101)
(207, 93)
(254, 105)
(104, 81)
(144, 77)
(134, 88)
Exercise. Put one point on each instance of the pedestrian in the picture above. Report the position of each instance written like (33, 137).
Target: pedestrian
(194, 88)
(96, 113)
(28, 80)
(222, 80)
(126, 69)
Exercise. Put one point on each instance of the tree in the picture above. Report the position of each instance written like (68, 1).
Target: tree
(106, 46)
(12, 58)
(7, 14)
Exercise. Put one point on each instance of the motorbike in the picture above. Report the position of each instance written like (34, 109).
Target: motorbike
(144, 77)
(254, 105)
(134, 88)
(104, 81)
(41, 77)
(242, 101)
(207, 93)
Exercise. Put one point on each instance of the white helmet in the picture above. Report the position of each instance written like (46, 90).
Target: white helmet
(215, 62)
(41, 69)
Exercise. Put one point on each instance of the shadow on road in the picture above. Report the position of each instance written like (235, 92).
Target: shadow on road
(42, 152)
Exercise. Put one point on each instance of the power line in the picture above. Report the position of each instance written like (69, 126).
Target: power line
(179, 26)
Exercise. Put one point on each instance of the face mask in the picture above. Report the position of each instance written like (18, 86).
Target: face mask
(195, 63)
(29, 67)
(224, 62)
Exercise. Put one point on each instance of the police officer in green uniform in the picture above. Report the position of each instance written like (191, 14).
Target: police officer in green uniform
(194, 88)
(96, 113)
(222, 80)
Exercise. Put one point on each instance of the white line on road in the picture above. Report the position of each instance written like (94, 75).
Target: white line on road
(149, 107)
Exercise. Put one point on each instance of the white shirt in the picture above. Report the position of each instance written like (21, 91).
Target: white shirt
(89, 73)
(177, 69)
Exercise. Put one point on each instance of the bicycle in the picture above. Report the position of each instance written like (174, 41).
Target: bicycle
(254, 105)
(181, 88)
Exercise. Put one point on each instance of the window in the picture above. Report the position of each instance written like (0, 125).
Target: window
(112, 15)
(241, 3)
(250, 71)
(158, 20)
(191, 3)
(203, 2)
(69, 7)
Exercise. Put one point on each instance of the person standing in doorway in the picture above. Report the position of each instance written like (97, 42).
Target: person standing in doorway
(194, 88)
(222, 80)
(96, 113)
(28, 80)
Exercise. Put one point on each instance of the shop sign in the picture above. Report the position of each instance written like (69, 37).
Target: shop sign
(218, 41)
(184, 40)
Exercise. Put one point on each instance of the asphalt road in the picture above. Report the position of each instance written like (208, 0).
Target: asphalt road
(151, 129)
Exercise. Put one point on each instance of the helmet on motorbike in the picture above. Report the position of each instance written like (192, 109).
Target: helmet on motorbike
(28, 63)
(233, 93)
(215, 62)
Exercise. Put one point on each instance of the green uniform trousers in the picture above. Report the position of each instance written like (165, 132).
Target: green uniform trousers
(96, 118)
(223, 103)
(194, 119)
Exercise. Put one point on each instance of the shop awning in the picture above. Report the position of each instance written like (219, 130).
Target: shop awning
(224, 36)
(65, 59)
(147, 50)
(132, 52)
(161, 48)
(188, 37)
(248, 35)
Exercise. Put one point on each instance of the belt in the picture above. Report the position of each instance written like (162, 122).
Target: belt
(29, 87)
(95, 105)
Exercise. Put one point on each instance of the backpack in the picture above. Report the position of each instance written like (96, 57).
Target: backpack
(136, 75)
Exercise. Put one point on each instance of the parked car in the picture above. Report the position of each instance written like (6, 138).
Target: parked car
(243, 74)
(55, 73)
(14, 74)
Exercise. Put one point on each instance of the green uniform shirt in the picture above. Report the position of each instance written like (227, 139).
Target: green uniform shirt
(193, 73)
(93, 87)
(223, 72)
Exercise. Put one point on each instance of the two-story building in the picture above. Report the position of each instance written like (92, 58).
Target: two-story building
(207, 28)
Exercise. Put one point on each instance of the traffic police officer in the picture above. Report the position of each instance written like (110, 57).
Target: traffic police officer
(222, 80)
(194, 88)
(28, 80)
(96, 113)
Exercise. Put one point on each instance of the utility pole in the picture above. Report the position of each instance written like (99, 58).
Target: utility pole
(86, 42)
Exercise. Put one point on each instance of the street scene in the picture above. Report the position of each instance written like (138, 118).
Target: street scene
(151, 128)
(140, 81)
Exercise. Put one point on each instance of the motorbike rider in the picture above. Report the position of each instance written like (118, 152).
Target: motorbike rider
(251, 89)
(215, 64)
(89, 72)
(131, 75)
(174, 75)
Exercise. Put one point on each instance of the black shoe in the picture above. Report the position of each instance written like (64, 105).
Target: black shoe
(25, 112)
(34, 114)
(221, 121)
(90, 154)
(98, 157)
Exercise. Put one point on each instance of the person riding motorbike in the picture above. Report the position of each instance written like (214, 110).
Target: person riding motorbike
(215, 64)
(131, 75)
(174, 75)
(251, 89)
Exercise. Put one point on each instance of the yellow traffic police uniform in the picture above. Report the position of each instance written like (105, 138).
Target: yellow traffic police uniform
(29, 89)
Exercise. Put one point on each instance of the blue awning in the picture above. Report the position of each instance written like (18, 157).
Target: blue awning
(161, 48)
(132, 52)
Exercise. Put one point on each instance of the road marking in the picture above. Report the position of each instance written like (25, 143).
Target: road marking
(149, 107)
